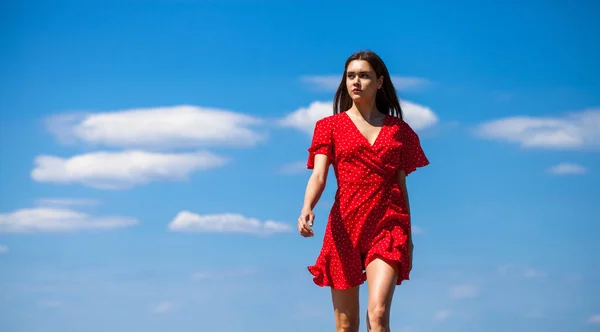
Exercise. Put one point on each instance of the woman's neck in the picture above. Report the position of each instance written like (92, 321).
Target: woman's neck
(368, 110)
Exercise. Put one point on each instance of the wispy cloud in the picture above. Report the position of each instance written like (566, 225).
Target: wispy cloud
(520, 271)
(186, 221)
(223, 274)
(567, 169)
(122, 170)
(3, 249)
(297, 167)
(181, 126)
(58, 220)
(330, 83)
(464, 291)
(49, 303)
(417, 230)
(163, 307)
(575, 130)
(594, 319)
(66, 202)
(442, 315)
(534, 314)
(304, 119)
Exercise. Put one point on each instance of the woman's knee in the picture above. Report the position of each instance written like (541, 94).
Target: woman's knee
(378, 315)
(347, 323)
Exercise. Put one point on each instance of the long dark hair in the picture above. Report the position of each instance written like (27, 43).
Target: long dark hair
(386, 99)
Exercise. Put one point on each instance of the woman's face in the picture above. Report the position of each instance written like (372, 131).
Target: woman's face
(361, 81)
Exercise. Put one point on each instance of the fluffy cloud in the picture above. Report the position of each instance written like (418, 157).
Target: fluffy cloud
(303, 119)
(331, 82)
(49, 303)
(58, 220)
(520, 271)
(576, 130)
(464, 291)
(163, 307)
(50, 202)
(567, 168)
(225, 274)
(442, 315)
(121, 170)
(297, 167)
(416, 230)
(186, 221)
(594, 319)
(162, 127)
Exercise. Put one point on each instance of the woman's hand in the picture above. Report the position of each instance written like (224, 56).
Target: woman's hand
(305, 222)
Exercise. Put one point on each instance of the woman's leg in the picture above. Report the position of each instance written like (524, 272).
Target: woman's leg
(346, 309)
(381, 278)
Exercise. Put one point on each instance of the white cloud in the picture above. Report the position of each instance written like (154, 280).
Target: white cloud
(405, 329)
(164, 307)
(309, 310)
(533, 273)
(418, 116)
(161, 127)
(534, 314)
(331, 82)
(304, 119)
(408, 83)
(464, 291)
(3, 249)
(520, 271)
(297, 167)
(594, 319)
(186, 221)
(121, 170)
(50, 202)
(49, 303)
(220, 275)
(575, 130)
(566, 169)
(58, 220)
(442, 315)
(322, 82)
(417, 230)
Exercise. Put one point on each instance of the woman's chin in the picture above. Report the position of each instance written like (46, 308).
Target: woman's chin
(359, 98)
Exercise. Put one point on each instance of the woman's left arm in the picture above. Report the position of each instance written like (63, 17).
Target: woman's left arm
(401, 178)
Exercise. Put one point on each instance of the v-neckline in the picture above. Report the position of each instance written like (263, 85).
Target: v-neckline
(362, 135)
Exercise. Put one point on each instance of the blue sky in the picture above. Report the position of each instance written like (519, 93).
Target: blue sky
(153, 162)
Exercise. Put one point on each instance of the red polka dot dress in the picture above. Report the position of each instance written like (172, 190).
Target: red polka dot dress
(368, 219)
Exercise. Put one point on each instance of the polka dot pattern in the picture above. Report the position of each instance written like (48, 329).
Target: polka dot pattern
(368, 219)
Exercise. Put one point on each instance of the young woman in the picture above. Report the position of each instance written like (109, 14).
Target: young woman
(368, 233)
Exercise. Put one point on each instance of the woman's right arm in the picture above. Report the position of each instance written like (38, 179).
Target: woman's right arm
(314, 188)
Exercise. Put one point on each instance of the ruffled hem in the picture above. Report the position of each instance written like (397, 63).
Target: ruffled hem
(391, 245)
(321, 279)
(412, 168)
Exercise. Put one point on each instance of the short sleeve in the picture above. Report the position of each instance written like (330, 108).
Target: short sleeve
(412, 155)
(322, 142)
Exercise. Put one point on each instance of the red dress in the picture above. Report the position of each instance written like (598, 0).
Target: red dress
(368, 219)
